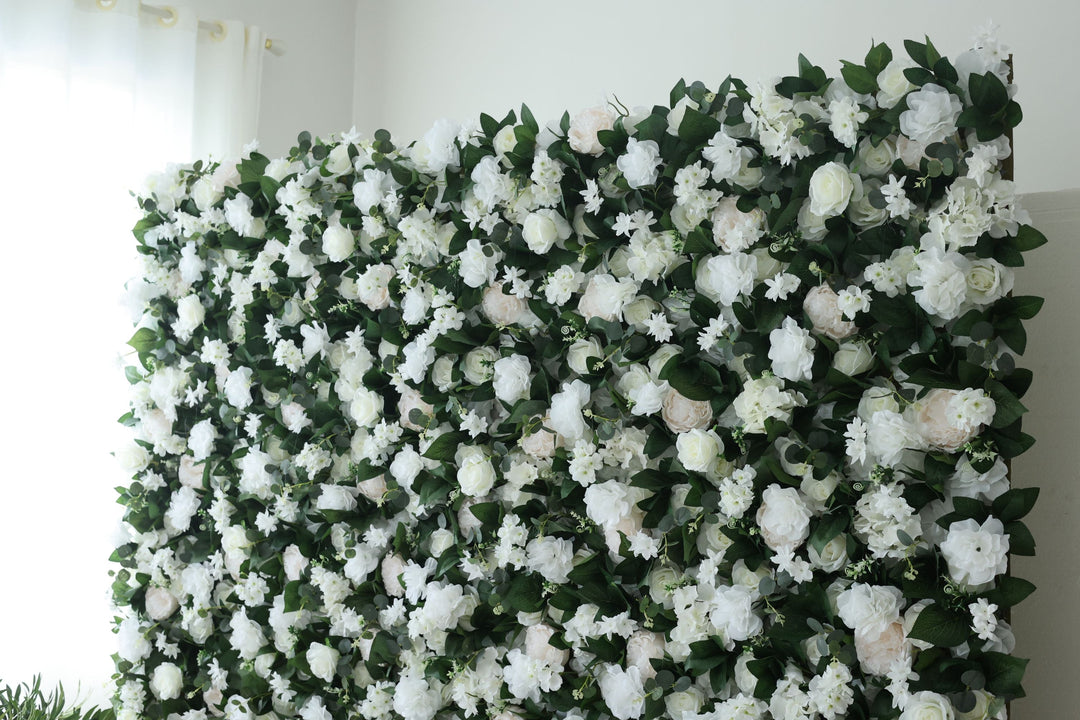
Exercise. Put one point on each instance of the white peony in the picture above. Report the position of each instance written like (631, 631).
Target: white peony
(641, 162)
(784, 518)
(566, 410)
(791, 350)
(869, 609)
(623, 691)
(584, 128)
(511, 378)
(478, 263)
(761, 399)
(605, 297)
(976, 553)
(941, 281)
(681, 414)
(931, 115)
(724, 278)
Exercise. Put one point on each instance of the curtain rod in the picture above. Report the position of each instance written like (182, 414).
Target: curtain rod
(216, 28)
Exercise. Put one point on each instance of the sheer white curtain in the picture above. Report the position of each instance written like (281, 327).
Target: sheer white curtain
(94, 94)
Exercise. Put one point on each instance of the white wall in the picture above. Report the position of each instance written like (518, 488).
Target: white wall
(432, 59)
(425, 59)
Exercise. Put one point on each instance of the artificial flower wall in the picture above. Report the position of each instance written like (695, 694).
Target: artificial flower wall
(700, 411)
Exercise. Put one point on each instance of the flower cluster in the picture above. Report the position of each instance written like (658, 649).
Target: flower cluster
(696, 412)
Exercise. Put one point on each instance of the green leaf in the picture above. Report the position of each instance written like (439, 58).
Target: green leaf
(1008, 410)
(293, 601)
(940, 626)
(1021, 541)
(144, 340)
(1027, 238)
(677, 93)
(879, 56)
(827, 528)
(1010, 591)
(988, 93)
(445, 446)
(858, 78)
(1004, 674)
(1015, 504)
(697, 128)
(488, 513)
(526, 593)
(529, 121)
(1024, 307)
(917, 52)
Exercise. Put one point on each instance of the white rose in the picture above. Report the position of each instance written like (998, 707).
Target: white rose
(442, 373)
(500, 308)
(640, 164)
(336, 497)
(338, 161)
(543, 228)
(783, 517)
(366, 407)
(853, 358)
(676, 114)
(681, 414)
(511, 378)
(479, 365)
(833, 555)
(166, 681)
(638, 310)
(323, 661)
(373, 488)
(660, 580)
(582, 353)
(927, 705)
(605, 297)
(987, 281)
(821, 306)
(893, 84)
(745, 680)
(874, 160)
(684, 705)
(791, 350)
(440, 541)
(723, 278)
(641, 647)
(160, 603)
(338, 243)
(830, 190)
(475, 474)
(204, 193)
(931, 115)
(811, 226)
(875, 400)
(505, 140)
(976, 554)
(133, 458)
(698, 449)
(584, 128)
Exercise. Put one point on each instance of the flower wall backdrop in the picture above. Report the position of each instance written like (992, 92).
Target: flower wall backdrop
(697, 411)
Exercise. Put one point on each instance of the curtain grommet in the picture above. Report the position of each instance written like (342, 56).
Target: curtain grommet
(106, 4)
(219, 31)
(170, 19)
